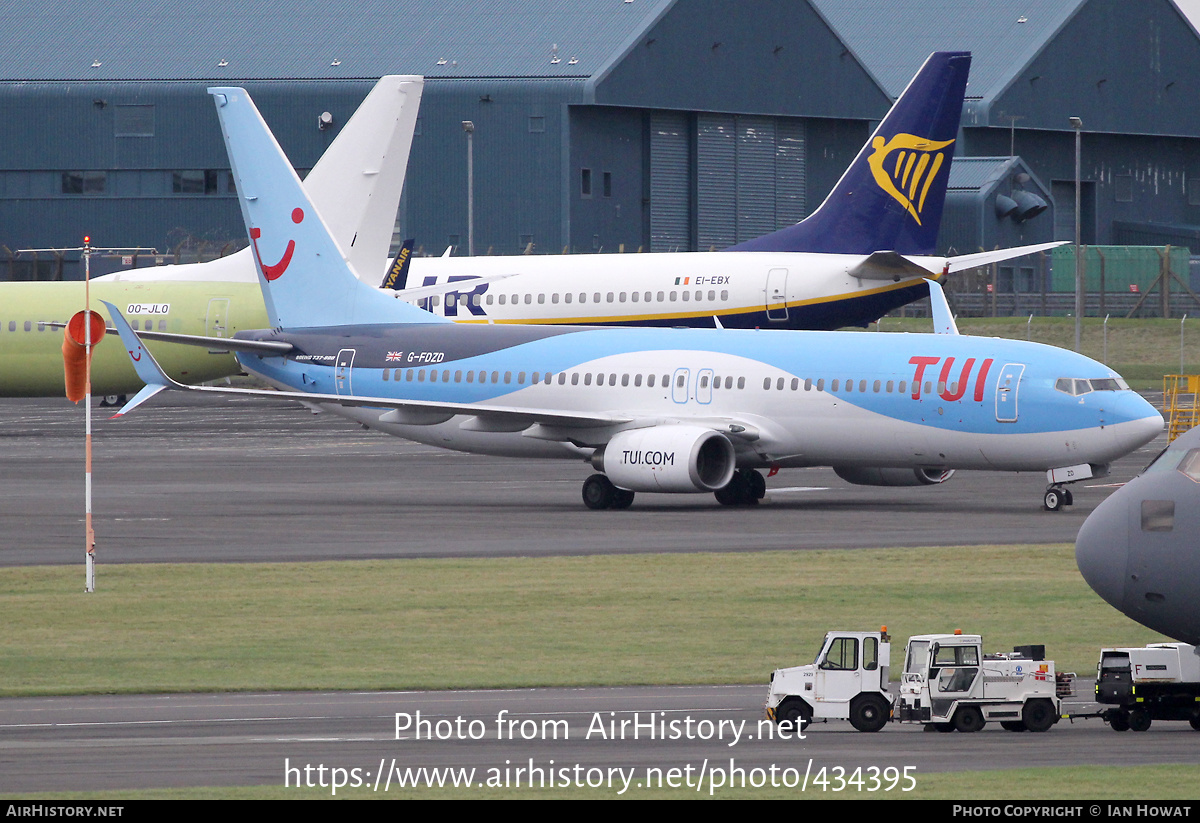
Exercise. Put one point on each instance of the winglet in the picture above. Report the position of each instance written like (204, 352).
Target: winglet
(144, 364)
(943, 319)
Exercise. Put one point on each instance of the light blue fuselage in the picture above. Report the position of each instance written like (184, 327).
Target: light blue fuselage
(815, 398)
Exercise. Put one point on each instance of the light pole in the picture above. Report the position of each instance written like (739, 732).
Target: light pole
(469, 128)
(1077, 124)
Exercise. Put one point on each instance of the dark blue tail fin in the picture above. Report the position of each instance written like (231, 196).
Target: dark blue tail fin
(396, 278)
(891, 197)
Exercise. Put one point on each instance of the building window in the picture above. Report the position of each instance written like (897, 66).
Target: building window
(84, 182)
(606, 182)
(195, 181)
(537, 124)
(585, 183)
(1123, 188)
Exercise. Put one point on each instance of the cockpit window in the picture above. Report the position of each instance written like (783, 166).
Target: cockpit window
(1190, 465)
(1076, 386)
(1073, 387)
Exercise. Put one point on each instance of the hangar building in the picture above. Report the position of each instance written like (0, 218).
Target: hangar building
(600, 125)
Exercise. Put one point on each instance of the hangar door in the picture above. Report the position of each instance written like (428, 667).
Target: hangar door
(750, 177)
(742, 177)
(670, 186)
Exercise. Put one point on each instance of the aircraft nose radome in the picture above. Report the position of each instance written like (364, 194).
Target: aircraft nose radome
(1148, 428)
(1144, 422)
(1101, 553)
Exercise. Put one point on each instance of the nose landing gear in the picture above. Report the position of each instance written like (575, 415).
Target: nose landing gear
(1056, 497)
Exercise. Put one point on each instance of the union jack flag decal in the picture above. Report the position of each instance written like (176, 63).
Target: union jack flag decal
(393, 356)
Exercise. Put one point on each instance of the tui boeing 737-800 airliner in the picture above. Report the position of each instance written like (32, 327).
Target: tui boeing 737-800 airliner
(652, 409)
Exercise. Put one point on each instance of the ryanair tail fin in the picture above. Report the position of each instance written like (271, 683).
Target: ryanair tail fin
(891, 197)
(304, 274)
(396, 278)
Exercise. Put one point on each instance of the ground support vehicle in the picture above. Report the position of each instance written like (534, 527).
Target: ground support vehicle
(847, 681)
(951, 685)
(1158, 682)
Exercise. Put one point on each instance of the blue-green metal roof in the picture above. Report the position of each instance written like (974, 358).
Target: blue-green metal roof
(314, 39)
(978, 173)
(893, 37)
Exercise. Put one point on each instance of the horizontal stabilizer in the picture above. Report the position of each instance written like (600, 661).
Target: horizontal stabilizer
(887, 265)
(970, 261)
(262, 347)
(144, 364)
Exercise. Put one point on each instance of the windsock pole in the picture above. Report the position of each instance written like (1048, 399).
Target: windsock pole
(89, 535)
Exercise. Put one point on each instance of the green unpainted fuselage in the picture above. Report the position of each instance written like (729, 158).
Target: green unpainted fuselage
(31, 361)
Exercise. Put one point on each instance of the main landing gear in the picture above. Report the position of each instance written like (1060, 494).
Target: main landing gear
(745, 488)
(600, 493)
(1056, 497)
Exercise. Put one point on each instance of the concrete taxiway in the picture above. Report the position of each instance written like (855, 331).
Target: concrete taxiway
(189, 479)
(198, 479)
(702, 732)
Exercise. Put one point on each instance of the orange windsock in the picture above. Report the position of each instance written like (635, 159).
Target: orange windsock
(73, 349)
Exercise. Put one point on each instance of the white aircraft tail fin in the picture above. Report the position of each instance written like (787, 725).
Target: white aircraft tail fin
(358, 180)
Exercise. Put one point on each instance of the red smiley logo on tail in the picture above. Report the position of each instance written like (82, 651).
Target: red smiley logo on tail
(276, 271)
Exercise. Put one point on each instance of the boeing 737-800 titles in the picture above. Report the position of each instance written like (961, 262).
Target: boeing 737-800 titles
(653, 409)
(865, 251)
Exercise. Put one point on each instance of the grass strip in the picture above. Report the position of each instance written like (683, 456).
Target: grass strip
(519, 622)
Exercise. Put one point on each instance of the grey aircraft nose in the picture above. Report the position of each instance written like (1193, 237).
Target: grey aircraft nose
(1102, 553)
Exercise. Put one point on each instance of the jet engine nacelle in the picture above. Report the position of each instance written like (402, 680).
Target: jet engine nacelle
(668, 459)
(921, 476)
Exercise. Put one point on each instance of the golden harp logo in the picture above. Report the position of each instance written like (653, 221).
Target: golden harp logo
(917, 161)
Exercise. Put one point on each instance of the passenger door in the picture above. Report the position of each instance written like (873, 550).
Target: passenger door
(1006, 392)
(216, 324)
(679, 385)
(776, 302)
(342, 371)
